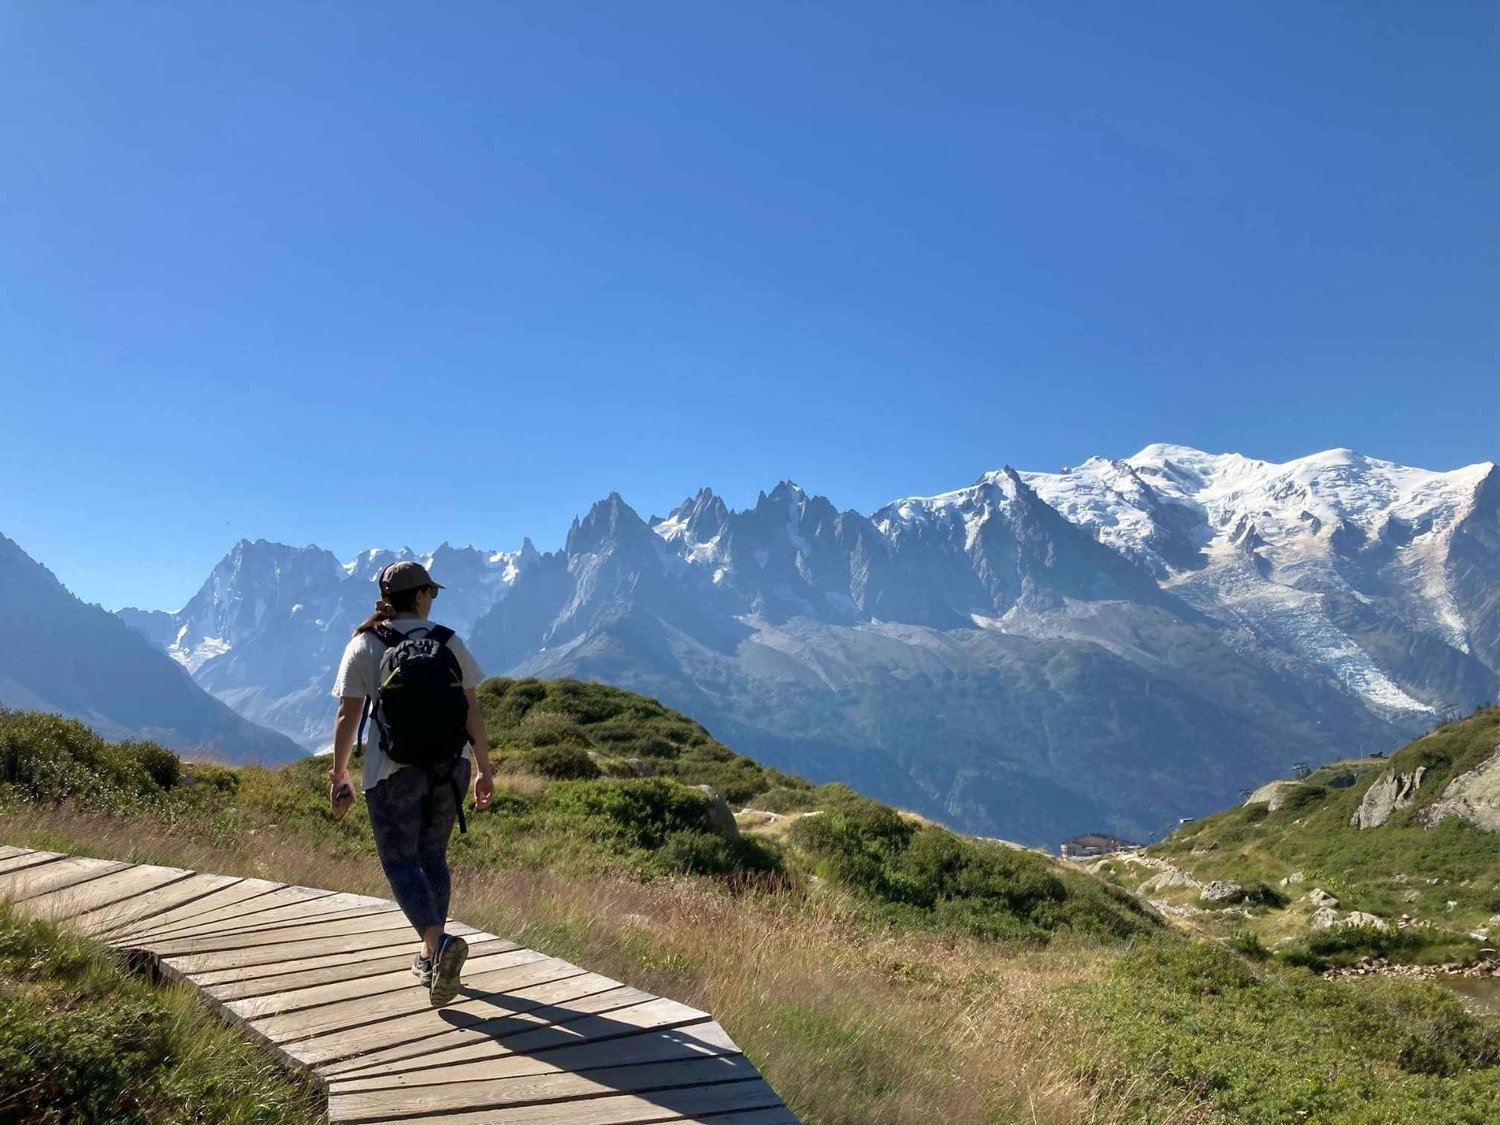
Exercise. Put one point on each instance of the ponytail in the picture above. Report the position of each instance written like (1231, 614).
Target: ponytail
(402, 601)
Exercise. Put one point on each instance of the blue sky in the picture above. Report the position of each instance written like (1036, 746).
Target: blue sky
(383, 273)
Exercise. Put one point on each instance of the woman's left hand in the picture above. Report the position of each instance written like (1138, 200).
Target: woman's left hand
(484, 790)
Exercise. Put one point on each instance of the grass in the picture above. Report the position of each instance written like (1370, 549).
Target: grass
(878, 970)
(1266, 1044)
(82, 1041)
(1446, 876)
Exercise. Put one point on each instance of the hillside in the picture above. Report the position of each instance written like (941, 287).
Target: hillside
(1408, 840)
(75, 659)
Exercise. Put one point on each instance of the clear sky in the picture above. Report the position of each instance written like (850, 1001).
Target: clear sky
(363, 274)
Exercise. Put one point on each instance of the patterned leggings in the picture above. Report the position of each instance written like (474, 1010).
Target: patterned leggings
(413, 812)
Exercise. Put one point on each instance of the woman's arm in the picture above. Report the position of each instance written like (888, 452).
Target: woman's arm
(484, 778)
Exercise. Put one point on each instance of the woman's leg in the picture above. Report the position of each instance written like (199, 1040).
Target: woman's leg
(441, 813)
(396, 816)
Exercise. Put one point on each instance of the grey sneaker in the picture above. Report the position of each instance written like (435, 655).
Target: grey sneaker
(447, 962)
(421, 968)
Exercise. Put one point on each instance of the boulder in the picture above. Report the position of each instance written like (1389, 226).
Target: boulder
(1292, 880)
(720, 815)
(1393, 791)
(1324, 919)
(1473, 796)
(1165, 881)
(1360, 918)
(1274, 794)
(1319, 897)
(1219, 893)
(640, 767)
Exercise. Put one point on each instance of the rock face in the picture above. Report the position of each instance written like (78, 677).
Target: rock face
(1472, 796)
(1274, 794)
(1393, 791)
(1222, 894)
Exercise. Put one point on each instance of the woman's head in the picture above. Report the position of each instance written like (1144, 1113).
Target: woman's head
(405, 587)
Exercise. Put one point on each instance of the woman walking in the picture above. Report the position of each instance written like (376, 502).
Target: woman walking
(416, 768)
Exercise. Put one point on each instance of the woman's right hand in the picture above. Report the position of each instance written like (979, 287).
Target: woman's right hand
(484, 789)
(340, 796)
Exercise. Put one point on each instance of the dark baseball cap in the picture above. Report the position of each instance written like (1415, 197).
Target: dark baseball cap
(401, 576)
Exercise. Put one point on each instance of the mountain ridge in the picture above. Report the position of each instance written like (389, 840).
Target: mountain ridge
(1036, 628)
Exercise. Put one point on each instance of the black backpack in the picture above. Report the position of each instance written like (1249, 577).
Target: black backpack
(419, 705)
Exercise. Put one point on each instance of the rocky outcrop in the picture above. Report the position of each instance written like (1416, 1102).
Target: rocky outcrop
(1219, 893)
(1472, 796)
(1327, 918)
(1320, 898)
(1165, 881)
(1393, 791)
(1274, 794)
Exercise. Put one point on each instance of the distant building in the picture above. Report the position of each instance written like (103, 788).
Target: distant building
(1092, 844)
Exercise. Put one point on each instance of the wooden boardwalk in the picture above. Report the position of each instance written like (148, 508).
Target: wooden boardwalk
(325, 979)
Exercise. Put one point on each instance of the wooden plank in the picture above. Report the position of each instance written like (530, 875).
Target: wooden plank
(408, 1001)
(271, 915)
(235, 896)
(540, 1088)
(25, 858)
(265, 979)
(617, 1109)
(559, 1024)
(110, 888)
(107, 922)
(331, 922)
(700, 1041)
(282, 904)
(418, 1034)
(18, 886)
(368, 986)
(267, 896)
(187, 964)
(310, 929)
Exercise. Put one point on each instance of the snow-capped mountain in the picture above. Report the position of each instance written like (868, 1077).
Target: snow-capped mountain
(265, 632)
(1109, 647)
(1339, 562)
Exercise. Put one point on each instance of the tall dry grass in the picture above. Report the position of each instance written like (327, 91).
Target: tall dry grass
(852, 1025)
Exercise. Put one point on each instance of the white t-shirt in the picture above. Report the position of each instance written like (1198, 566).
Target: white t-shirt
(359, 672)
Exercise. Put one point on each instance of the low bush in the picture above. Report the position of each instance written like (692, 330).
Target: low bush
(1271, 1044)
(926, 875)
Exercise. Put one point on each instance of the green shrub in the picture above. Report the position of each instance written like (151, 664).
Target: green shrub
(708, 853)
(1295, 800)
(927, 875)
(561, 763)
(634, 812)
(163, 767)
(784, 799)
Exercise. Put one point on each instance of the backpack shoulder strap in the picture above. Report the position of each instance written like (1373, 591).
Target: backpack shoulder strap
(440, 633)
(388, 636)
